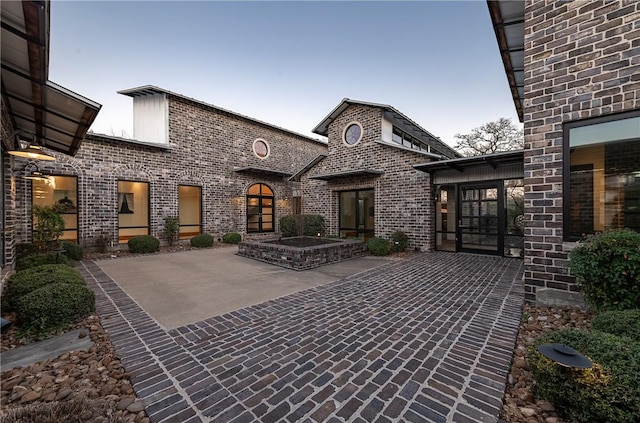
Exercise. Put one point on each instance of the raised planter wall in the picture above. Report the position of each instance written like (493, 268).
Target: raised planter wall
(301, 258)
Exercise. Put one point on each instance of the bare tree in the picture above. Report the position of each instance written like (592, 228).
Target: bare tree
(492, 137)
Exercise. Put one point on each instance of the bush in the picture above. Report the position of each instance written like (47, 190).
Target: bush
(72, 250)
(102, 243)
(231, 238)
(54, 306)
(202, 241)
(607, 392)
(76, 410)
(35, 260)
(607, 267)
(26, 281)
(400, 241)
(144, 244)
(302, 224)
(171, 229)
(48, 225)
(379, 246)
(25, 249)
(620, 323)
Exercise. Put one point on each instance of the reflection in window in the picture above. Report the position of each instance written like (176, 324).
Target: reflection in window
(446, 218)
(61, 192)
(514, 222)
(357, 214)
(260, 208)
(133, 209)
(189, 211)
(603, 176)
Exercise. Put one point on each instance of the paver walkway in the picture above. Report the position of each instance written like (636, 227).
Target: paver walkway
(427, 339)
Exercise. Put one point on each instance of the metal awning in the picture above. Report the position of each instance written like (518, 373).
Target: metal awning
(296, 176)
(508, 25)
(349, 174)
(494, 160)
(58, 117)
(263, 171)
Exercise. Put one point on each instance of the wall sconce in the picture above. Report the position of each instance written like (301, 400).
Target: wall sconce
(33, 172)
(28, 149)
(564, 355)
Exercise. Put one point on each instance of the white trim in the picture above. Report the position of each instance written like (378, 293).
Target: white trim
(253, 147)
(344, 132)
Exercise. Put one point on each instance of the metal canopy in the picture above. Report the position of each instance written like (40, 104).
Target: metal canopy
(493, 160)
(348, 174)
(57, 116)
(262, 171)
(296, 176)
(508, 25)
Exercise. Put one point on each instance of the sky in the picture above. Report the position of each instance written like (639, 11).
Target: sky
(286, 63)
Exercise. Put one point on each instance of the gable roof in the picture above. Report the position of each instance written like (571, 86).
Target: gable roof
(152, 89)
(392, 115)
(508, 25)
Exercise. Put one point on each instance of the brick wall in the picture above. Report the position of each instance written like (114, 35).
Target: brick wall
(402, 194)
(582, 60)
(205, 145)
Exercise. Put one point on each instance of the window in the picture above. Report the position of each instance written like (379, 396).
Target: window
(261, 148)
(400, 137)
(357, 214)
(62, 193)
(189, 211)
(133, 209)
(260, 211)
(602, 175)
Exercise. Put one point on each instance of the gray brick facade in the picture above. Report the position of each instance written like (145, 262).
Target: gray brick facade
(582, 60)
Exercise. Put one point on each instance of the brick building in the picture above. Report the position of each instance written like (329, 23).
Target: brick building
(574, 72)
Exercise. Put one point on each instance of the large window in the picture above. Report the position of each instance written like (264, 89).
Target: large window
(133, 209)
(357, 214)
(189, 210)
(62, 193)
(260, 211)
(602, 175)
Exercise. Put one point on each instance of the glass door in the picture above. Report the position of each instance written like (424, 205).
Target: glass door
(357, 214)
(479, 222)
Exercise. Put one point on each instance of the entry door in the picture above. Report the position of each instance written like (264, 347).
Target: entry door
(479, 218)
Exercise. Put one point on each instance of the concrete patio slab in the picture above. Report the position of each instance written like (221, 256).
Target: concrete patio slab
(181, 288)
(426, 339)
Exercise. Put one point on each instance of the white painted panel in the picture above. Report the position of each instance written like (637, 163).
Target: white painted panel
(387, 130)
(151, 118)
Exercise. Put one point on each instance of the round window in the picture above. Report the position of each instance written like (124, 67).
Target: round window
(261, 148)
(352, 133)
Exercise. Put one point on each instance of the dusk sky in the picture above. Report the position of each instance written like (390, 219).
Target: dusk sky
(286, 63)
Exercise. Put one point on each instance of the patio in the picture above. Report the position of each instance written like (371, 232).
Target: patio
(429, 338)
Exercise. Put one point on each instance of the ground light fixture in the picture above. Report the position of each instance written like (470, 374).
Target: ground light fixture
(27, 146)
(564, 355)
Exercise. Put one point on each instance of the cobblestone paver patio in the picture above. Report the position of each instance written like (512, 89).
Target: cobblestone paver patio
(426, 339)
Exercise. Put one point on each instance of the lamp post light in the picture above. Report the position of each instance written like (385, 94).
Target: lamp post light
(564, 355)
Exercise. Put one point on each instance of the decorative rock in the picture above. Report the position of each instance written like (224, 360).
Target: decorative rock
(63, 393)
(551, 420)
(546, 406)
(527, 412)
(124, 403)
(136, 407)
(30, 396)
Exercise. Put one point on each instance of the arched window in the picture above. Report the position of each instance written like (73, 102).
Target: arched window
(260, 214)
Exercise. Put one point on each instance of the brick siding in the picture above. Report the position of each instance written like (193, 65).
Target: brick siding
(582, 60)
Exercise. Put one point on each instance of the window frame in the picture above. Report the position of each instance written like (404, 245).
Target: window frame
(566, 162)
(120, 241)
(78, 205)
(200, 226)
(260, 196)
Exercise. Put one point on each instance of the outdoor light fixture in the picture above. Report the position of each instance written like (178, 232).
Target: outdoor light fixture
(28, 149)
(33, 172)
(564, 355)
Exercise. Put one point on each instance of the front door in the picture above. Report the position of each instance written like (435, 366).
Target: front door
(479, 218)
(357, 214)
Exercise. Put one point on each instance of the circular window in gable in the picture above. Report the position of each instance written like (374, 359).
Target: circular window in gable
(352, 133)
(261, 148)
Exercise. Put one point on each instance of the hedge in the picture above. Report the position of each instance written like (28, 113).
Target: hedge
(144, 244)
(202, 241)
(620, 323)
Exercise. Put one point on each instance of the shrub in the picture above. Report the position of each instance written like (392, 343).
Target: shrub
(48, 225)
(288, 226)
(102, 243)
(72, 250)
(379, 246)
(26, 281)
(302, 224)
(171, 229)
(76, 410)
(144, 244)
(231, 238)
(607, 267)
(202, 241)
(400, 241)
(607, 392)
(25, 249)
(54, 306)
(620, 323)
(35, 260)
